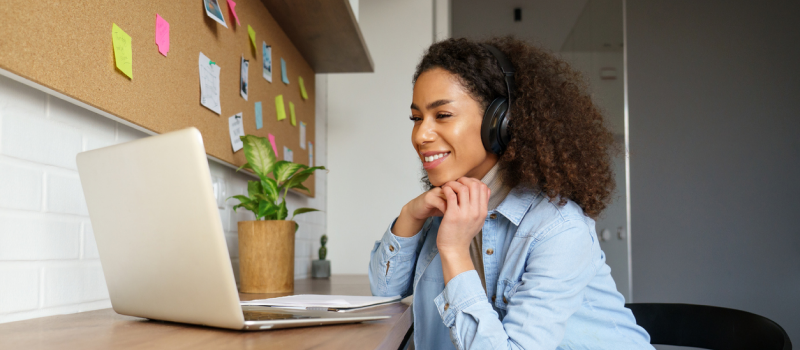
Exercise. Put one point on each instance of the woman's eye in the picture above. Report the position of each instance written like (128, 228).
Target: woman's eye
(414, 119)
(443, 115)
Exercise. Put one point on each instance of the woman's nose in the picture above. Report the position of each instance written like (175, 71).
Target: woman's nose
(425, 132)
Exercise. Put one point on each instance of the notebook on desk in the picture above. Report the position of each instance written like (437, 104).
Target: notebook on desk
(161, 242)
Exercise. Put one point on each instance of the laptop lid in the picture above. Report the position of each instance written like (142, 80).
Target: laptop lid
(158, 230)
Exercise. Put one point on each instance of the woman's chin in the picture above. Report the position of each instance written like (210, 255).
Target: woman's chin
(438, 181)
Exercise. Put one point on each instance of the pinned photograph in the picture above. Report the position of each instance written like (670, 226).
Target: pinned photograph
(243, 79)
(266, 61)
(214, 11)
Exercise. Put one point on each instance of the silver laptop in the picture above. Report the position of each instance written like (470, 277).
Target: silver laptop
(161, 241)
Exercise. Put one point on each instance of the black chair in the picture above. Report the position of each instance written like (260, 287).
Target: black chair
(709, 327)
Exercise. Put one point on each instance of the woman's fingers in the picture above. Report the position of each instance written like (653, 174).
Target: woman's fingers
(452, 198)
(462, 192)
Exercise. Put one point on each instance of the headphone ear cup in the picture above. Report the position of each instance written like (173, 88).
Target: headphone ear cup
(493, 128)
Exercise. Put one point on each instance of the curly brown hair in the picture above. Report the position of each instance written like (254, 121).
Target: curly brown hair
(559, 141)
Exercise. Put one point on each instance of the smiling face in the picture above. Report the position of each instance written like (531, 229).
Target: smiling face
(447, 129)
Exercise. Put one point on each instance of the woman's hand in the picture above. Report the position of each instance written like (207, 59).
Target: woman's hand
(465, 212)
(415, 212)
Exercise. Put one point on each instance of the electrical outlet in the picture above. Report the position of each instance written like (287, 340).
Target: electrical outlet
(220, 192)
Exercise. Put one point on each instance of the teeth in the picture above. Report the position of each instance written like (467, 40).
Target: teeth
(435, 157)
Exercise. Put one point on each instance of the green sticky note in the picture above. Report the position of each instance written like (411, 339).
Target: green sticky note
(252, 36)
(303, 89)
(123, 53)
(279, 107)
(291, 112)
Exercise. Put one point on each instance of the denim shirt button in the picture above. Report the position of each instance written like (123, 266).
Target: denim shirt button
(493, 216)
(446, 306)
(494, 297)
(391, 248)
(505, 300)
(489, 251)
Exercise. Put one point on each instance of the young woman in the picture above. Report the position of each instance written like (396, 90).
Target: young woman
(501, 251)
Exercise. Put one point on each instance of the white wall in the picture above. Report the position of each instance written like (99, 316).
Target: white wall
(374, 170)
(48, 258)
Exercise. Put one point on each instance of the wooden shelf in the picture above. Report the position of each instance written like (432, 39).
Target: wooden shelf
(325, 32)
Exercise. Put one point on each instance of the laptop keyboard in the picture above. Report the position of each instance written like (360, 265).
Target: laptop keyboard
(268, 316)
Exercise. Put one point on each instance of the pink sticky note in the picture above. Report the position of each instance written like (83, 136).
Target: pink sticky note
(162, 35)
(272, 142)
(232, 5)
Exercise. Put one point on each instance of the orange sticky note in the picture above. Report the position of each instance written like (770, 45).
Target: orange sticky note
(123, 53)
(162, 35)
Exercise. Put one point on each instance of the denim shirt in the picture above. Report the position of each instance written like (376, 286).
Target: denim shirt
(547, 283)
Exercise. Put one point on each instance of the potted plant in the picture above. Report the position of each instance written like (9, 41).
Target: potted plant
(321, 268)
(266, 245)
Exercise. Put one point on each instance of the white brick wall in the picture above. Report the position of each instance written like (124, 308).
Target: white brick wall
(48, 256)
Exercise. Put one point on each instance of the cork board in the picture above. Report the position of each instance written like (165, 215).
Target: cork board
(66, 46)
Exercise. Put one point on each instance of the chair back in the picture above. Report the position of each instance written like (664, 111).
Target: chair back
(708, 327)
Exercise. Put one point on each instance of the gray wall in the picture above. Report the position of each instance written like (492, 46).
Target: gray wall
(714, 91)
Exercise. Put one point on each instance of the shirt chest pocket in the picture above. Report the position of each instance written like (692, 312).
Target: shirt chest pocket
(505, 291)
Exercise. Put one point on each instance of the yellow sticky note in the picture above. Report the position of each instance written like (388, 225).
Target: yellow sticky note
(279, 107)
(291, 111)
(123, 53)
(252, 36)
(303, 89)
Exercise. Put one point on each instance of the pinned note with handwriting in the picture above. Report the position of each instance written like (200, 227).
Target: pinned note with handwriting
(288, 155)
(123, 53)
(162, 35)
(236, 128)
(209, 84)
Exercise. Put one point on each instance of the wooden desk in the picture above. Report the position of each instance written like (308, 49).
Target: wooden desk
(105, 329)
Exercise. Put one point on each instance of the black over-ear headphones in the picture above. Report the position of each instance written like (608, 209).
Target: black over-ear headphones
(494, 129)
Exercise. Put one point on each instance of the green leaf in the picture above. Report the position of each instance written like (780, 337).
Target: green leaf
(302, 210)
(244, 166)
(297, 180)
(301, 187)
(282, 211)
(253, 187)
(301, 176)
(270, 188)
(259, 154)
(284, 170)
(242, 199)
(266, 209)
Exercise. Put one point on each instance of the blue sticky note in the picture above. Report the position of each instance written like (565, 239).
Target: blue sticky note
(284, 77)
(259, 121)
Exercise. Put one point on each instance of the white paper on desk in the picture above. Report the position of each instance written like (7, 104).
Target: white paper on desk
(316, 300)
(209, 84)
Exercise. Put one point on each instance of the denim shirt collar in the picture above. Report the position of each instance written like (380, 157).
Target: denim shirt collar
(517, 203)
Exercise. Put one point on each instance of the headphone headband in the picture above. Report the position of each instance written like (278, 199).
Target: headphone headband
(506, 67)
